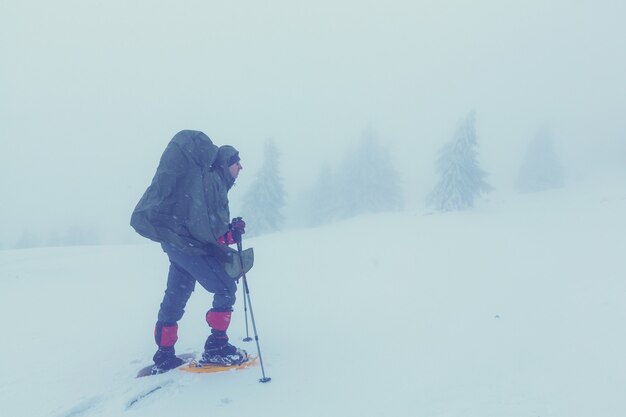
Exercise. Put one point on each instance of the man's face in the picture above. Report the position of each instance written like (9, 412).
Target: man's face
(234, 169)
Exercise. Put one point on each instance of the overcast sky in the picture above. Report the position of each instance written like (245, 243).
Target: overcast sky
(92, 91)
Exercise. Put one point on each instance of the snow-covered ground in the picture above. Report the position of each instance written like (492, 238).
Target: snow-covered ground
(516, 308)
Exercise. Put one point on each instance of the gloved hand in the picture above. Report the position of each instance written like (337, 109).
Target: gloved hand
(238, 228)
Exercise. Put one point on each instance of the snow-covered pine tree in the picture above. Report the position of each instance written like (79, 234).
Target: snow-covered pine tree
(264, 201)
(541, 169)
(28, 239)
(367, 180)
(461, 179)
(321, 199)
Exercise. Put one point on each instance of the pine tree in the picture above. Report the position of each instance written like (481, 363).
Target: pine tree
(367, 180)
(321, 199)
(541, 169)
(28, 239)
(265, 199)
(461, 179)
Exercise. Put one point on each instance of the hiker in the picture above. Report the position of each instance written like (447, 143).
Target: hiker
(186, 210)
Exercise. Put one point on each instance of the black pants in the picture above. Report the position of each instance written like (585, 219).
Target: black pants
(185, 270)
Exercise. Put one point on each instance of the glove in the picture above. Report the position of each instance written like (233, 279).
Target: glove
(238, 228)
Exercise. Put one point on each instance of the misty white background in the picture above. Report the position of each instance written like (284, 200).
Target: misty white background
(92, 91)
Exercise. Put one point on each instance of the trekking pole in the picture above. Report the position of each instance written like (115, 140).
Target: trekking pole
(245, 312)
(247, 295)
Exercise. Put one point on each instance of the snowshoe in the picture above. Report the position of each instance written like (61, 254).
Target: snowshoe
(159, 369)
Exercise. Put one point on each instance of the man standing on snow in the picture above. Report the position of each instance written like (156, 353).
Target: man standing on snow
(186, 210)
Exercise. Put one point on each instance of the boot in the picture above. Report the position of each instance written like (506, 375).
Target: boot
(217, 350)
(165, 359)
(165, 336)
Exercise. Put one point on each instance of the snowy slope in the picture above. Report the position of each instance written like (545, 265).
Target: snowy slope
(513, 309)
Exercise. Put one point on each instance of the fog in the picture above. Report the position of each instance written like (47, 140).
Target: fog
(92, 91)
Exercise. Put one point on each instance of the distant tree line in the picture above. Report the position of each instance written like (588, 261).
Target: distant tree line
(76, 235)
(365, 180)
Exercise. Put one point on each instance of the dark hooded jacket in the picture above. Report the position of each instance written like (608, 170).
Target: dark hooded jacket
(186, 205)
